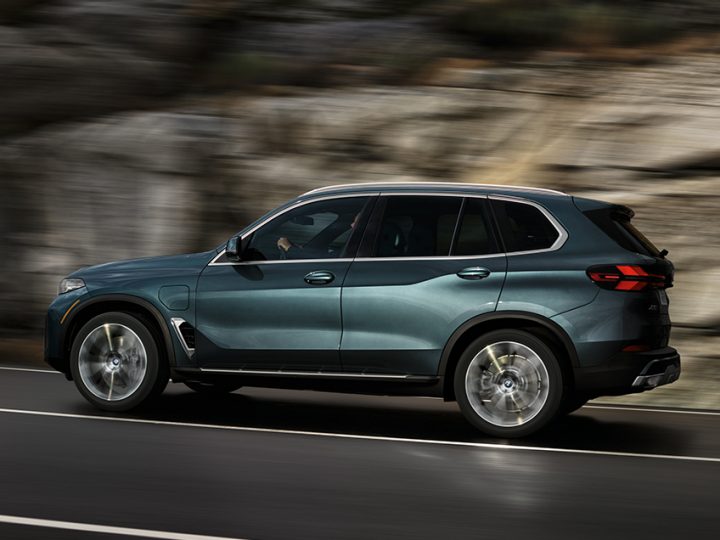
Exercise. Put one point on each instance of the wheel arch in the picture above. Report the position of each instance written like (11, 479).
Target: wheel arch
(541, 327)
(134, 305)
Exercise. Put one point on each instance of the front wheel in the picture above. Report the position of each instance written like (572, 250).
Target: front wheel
(115, 362)
(508, 383)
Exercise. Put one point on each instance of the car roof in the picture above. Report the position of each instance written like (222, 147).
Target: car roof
(436, 187)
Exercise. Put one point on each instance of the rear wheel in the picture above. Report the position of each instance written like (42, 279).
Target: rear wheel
(115, 362)
(212, 388)
(572, 403)
(508, 383)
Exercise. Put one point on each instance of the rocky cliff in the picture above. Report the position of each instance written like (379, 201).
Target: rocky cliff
(148, 127)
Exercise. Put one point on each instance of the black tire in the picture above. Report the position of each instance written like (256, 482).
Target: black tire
(543, 380)
(150, 382)
(572, 403)
(212, 388)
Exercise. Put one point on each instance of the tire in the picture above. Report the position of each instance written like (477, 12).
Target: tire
(508, 383)
(572, 403)
(115, 362)
(212, 388)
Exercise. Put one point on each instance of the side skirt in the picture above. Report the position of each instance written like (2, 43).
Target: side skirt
(352, 383)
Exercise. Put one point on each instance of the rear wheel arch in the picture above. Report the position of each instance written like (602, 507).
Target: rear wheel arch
(138, 307)
(541, 327)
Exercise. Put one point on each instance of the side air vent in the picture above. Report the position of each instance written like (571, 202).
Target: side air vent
(186, 334)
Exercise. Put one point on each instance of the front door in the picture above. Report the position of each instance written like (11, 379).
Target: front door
(279, 308)
(426, 265)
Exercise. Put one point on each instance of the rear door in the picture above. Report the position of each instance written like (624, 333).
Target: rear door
(427, 264)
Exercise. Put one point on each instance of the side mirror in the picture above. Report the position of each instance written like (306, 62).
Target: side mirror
(234, 248)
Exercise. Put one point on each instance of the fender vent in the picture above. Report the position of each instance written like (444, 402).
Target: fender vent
(188, 334)
(185, 334)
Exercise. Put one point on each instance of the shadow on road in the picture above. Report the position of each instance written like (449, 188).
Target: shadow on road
(591, 429)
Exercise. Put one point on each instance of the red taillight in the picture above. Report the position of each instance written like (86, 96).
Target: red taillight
(636, 348)
(626, 277)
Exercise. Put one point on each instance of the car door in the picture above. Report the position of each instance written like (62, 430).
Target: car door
(278, 308)
(427, 264)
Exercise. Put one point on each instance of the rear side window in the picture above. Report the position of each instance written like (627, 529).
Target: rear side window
(474, 237)
(523, 226)
(417, 226)
(615, 222)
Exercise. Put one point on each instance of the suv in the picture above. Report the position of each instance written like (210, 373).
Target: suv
(518, 303)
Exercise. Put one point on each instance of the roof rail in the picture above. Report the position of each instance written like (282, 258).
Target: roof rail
(434, 184)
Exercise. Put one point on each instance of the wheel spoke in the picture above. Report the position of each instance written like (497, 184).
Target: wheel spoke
(112, 382)
(109, 337)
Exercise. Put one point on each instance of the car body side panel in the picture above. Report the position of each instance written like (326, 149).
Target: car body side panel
(548, 283)
(614, 320)
(147, 280)
(247, 311)
(399, 314)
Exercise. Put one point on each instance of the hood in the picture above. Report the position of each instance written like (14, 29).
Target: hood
(192, 263)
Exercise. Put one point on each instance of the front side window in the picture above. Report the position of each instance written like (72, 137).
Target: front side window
(319, 230)
(523, 226)
(417, 226)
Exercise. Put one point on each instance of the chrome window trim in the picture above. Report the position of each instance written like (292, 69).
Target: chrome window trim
(559, 242)
(562, 233)
(176, 323)
(298, 204)
(431, 258)
(280, 261)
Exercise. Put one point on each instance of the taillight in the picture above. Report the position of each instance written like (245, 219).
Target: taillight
(627, 277)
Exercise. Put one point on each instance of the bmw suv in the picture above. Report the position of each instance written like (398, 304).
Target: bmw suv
(518, 303)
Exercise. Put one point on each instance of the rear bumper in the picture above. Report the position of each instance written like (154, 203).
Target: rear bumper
(630, 372)
(658, 372)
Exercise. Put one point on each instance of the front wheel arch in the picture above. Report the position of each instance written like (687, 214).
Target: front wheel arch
(132, 305)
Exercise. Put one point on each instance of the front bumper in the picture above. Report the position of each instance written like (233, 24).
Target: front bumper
(629, 373)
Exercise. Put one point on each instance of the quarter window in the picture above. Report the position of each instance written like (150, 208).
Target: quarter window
(523, 226)
(319, 230)
(417, 226)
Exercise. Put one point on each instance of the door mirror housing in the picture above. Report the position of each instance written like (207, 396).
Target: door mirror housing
(234, 248)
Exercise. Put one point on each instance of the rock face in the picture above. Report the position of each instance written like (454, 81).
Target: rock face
(116, 144)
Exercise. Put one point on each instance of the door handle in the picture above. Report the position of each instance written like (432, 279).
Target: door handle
(474, 272)
(319, 277)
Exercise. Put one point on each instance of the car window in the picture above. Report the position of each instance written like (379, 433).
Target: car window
(474, 237)
(615, 222)
(523, 226)
(417, 226)
(319, 230)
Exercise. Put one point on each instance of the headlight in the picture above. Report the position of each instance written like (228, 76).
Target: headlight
(70, 284)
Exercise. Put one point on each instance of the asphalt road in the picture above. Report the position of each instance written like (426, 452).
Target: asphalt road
(269, 464)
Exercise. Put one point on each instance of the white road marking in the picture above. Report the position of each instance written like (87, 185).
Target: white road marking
(641, 409)
(105, 529)
(32, 370)
(351, 436)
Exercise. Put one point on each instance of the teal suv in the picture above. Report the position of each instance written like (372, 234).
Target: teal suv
(518, 303)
